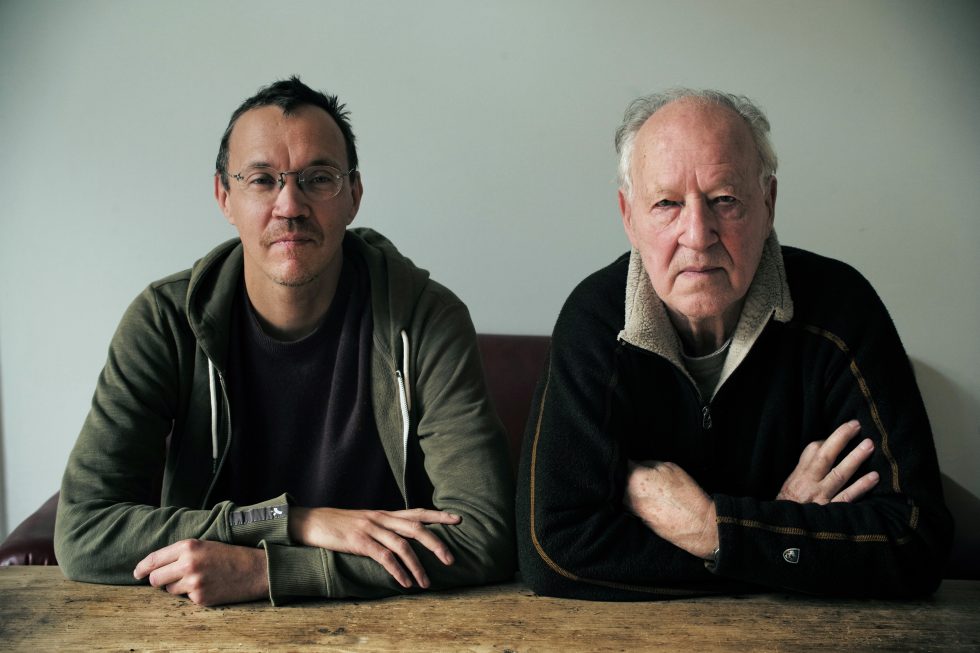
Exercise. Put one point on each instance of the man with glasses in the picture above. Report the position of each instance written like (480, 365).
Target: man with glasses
(303, 412)
(719, 412)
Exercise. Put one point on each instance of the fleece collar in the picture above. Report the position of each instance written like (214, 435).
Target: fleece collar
(648, 326)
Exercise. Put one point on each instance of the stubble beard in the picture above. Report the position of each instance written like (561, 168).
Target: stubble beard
(297, 279)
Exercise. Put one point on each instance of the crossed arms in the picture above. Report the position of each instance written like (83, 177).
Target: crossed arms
(624, 494)
(674, 506)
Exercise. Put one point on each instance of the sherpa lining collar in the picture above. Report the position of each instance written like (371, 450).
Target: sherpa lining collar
(648, 326)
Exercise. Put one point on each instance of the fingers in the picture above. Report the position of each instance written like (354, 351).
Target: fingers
(427, 516)
(209, 573)
(383, 536)
(157, 559)
(396, 528)
(840, 437)
(167, 567)
(817, 479)
(857, 489)
(164, 568)
(416, 531)
(385, 543)
(842, 473)
(828, 450)
(395, 554)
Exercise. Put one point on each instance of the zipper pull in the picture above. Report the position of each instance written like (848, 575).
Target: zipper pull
(706, 418)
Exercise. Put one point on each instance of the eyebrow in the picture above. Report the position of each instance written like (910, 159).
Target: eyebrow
(314, 162)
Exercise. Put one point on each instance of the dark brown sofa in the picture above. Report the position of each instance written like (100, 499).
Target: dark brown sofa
(513, 365)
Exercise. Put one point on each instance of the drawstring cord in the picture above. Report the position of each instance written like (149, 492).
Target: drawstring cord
(405, 369)
(405, 403)
(214, 417)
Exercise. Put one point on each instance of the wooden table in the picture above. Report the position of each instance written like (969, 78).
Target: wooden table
(40, 610)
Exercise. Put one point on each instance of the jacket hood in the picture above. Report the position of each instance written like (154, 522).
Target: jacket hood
(396, 284)
(647, 325)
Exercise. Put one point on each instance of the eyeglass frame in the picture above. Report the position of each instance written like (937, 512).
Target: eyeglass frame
(299, 176)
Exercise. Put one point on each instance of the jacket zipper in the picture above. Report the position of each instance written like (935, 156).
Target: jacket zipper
(212, 391)
(706, 421)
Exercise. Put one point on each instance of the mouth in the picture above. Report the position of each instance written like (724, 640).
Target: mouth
(292, 241)
(700, 270)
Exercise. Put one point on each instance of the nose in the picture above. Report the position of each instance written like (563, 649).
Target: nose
(699, 227)
(291, 200)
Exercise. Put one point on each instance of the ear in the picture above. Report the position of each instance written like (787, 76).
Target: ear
(626, 210)
(771, 201)
(221, 195)
(356, 191)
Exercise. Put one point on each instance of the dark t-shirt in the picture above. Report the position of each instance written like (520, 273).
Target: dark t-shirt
(301, 413)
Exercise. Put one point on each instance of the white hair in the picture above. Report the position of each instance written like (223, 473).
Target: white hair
(640, 110)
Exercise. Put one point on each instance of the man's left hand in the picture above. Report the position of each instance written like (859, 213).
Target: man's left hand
(817, 480)
(672, 505)
(209, 573)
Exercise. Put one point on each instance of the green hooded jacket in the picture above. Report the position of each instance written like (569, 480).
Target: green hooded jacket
(141, 474)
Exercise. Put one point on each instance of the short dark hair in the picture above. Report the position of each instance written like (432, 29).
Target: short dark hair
(289, 95)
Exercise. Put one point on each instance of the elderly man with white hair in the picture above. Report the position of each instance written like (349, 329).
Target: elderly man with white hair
(720, 413)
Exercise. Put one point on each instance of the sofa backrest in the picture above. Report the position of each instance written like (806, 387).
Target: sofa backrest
(512, 365)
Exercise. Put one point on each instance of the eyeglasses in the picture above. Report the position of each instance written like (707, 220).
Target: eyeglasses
(318, 182)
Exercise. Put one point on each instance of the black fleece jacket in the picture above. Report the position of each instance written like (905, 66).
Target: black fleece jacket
(603, 402)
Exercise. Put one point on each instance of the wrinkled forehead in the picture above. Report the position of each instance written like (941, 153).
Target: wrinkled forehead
(690, 133)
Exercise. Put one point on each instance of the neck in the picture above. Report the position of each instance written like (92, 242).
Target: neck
(289, 313)
(703, 336)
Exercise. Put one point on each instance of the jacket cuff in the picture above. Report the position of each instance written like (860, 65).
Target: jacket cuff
(727, 537)
(756, 552)
(267, 521)
(294, 571)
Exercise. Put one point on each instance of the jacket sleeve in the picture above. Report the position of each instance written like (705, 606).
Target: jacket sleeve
(109, 514)
(575, 537)
(465, 460)
(894, 541)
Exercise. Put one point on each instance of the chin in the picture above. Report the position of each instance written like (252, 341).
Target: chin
(294, 278)
(703, 308)
(296, 283)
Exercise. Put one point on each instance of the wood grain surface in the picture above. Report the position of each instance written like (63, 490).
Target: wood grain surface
(41, 611)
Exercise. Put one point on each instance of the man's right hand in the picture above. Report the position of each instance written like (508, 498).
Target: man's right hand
(817, 480)
(377, 534)
(209, 573)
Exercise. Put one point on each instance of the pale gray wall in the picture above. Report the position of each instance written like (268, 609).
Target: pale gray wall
(485, 131)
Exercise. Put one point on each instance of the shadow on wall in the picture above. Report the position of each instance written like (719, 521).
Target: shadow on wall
(950, 410)
(952, 413)
(966, 541)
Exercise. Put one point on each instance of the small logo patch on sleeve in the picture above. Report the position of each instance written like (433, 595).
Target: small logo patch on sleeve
(252, 515)
(792, 556)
